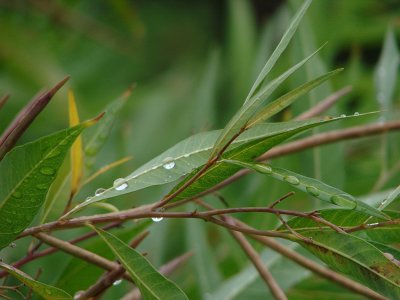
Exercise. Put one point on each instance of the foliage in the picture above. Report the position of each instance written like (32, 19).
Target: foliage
(158, 207)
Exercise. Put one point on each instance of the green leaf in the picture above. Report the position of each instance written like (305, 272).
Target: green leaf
(287, 99)
(48, 292)
(151, 283)
(239, 120)
(102, 131)
(356, 258)
(313, 187)
(193, 153)
(26, 173)
(287, 36)
(390, 198)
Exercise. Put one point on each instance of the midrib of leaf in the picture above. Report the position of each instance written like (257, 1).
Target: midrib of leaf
(351, 258)
(32, 170)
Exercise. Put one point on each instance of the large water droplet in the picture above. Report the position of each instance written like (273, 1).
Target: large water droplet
(356, 113)
(88, 199)
(47, 171)
(117, 282)
(344, 200)
(342, 115)
(155, 219)
(263, 169)
(292, 180)
(99, 191)
(168, 163)
(120, 184)
(312, 190)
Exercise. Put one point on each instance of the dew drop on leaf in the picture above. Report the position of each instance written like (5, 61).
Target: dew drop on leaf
(99, 191)
(344, 200)
(155, 219)
(342, 115)
(88, 199)
(356, 113)
(47, 171)
(168, 163)
(292, 180)
(120, 184)
(117, 282)
(312, 190)
(263, 169)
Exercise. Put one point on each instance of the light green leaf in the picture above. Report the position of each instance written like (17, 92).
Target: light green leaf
(239, 120)
(194, 152)
(26, 174)
(151, 283)
(313, 187)
(287, 36)
(102, 131)
(356, 258)
(287, 99)
(390, 198)
(48, 292)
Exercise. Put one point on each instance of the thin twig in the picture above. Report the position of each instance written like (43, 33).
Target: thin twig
(276, 202)
(274, 287)
(325, 104)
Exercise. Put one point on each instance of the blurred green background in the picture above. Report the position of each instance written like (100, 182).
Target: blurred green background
(193, 63)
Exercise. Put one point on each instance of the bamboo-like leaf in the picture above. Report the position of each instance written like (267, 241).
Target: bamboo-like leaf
(313, 187)
(356, 258)
(26, 174)
(240, 119)
(287, 99)
(76, 149)
(25, 117)
(390, 198)
(99, 136)
(193, 153)
(46, 291)
(286, 38)
(151, 283)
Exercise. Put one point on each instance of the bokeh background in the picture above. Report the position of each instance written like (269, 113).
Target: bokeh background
(193, 63)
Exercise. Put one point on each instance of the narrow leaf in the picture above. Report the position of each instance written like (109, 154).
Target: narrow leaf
(240, 119)
(26, 174)
(151, 283)
(48, 292)
(193, 153)
(99, 136)
(76, 149)
(313, 187)
(287, 36)
(390, 198)
(287, 99)
(25, 117)
(356, 258)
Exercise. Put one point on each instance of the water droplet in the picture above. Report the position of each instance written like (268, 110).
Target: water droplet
(13, 245)
(356, 113)
(99, 191)
(77, 295)
(54, 153)
(88, 199)
(117, 282)
(155, 219)
(47, 171)
(120, 184)
(312, 190)
(17, 194)
(42, 186)
(344, 200)
(342, 115)
(168, 163)
(292, 180)
(263, 168)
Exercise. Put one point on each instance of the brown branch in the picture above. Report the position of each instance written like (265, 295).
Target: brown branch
(304, 261)
(80, 253)
(325, 104)
(35, 255)
(274, 287)
(3, 100)
(366, 226)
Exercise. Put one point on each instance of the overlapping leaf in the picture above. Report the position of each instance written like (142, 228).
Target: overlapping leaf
(46, 291)
(194, 152)
(151, 283)
(26, 174)
(313, 187)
